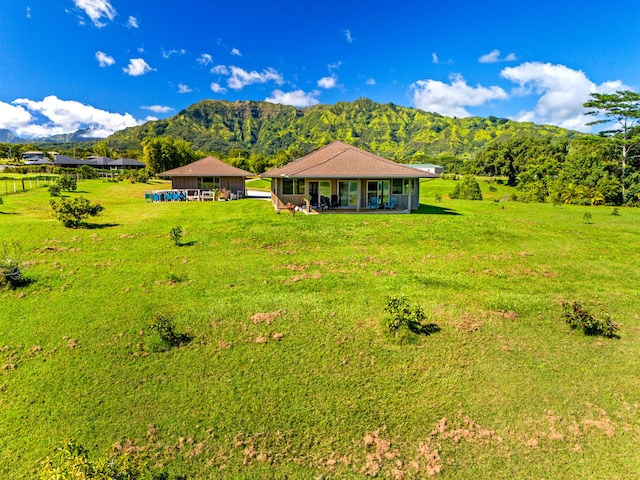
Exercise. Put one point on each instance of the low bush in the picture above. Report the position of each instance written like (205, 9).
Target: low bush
(72, 212)
(167, 332)
(54, 190)
(11, 274)
(578, 317)
(467, 189)
(405, 321)
(68, 183)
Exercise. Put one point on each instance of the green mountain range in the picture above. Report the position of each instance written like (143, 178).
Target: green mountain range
(390, 130)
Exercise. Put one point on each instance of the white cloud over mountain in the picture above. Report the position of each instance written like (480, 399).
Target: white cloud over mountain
(562, 92)
(240, 78)
(296, 98)
(53, 116)
(452, 99)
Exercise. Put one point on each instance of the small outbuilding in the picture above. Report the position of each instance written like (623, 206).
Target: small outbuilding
(209, 173)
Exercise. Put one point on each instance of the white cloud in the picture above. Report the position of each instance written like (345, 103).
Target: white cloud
(216, 88)
(28, 12)
(562, 91)
(104, 60)
(137, 67)
(158, 108)
(13, 117)
(168, 54)
(241, 78)
(236, 52)
(132, 22)
(205, 59)
(182, 88)
(434, 58)
(220, 70)
(328, 82)
(371, 81)
(334, 66)
(296, 98)
(96, 9)
(494, 57)
(150, 118)
(347, 35)
(451, 99)
(63, 116)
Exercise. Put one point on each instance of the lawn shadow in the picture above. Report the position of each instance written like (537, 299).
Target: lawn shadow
(424, 328)
(9, 213)
(98, 226)
(434, 210)
(190, 243)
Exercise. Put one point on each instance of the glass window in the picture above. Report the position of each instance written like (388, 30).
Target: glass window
(292, 186)
(409, 186)
(396, 189)
(208, 183)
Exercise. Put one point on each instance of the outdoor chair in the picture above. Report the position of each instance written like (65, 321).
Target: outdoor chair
(373, 203)
(391, 204)
(335, 201)
(324, 203)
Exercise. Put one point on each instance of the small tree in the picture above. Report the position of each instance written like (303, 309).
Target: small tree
(11, 274)
(467, 189)
(72, 212)
(68, 183)
(176, 235)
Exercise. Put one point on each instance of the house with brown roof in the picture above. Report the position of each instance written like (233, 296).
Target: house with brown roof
(208, 173)
(342, 177)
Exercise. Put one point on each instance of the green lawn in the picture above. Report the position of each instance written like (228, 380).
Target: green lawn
(313, 387)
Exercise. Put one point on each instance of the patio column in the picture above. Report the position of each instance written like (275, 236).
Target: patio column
(359, 195)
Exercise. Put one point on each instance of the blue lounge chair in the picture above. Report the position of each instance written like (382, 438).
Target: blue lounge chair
(373, 203)
(391, 204)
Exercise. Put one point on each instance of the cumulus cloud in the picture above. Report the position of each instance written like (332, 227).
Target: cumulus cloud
(240, 78)
(220, 70)
(205, 59)
(61, 116)
(132, 22)
(182, 88)
(328, 82)
(216, 88)
(562, 92)
(104, 60)
(96, 10)
(451, 99)
(296, 98)
(347, 35)
(371, 81)
(494, 57)
(14, 117)
(236, 52)
(158, 108)
(137, 67)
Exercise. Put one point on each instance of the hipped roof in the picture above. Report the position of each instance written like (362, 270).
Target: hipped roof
(339, 160)
(207, 167)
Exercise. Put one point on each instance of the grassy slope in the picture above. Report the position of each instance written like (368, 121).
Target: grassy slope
(524, 396)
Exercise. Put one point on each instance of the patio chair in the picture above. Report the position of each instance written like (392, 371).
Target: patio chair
(391, 204)
(373, 203)
(325, 203)
(335, 201)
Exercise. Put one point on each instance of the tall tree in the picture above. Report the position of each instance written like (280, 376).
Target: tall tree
(622, 108)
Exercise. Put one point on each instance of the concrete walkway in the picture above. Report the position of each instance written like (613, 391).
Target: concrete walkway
(258, 194)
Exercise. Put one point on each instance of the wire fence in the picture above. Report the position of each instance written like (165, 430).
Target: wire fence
(10, 185)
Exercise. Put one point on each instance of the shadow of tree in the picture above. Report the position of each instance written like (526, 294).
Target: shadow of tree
(98, 226)
(434, 210)
(190, 243)
(424, 328)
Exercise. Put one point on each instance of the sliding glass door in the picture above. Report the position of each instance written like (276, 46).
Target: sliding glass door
(348, 194)
(380, 189)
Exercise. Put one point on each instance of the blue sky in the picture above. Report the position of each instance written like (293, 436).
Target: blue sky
(109, 64)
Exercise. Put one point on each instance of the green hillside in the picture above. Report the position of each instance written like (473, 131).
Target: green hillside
(391, 130)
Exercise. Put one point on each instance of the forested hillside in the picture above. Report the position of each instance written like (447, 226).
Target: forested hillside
(390, 130)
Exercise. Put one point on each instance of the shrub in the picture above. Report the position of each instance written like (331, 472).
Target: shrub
(578, 317)
(71, 461)
(176, 235)
(438, 197)
(72, 212)
(11, 265)
(86, 171)
(586, 218)
(1, 201)
(68, 183)
(467, 189)
(615, 212)
(54, 190)
(167, 331)
(404, 321)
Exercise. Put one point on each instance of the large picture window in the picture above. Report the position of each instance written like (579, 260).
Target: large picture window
(292, 186)
(208, 183)
(403, 186)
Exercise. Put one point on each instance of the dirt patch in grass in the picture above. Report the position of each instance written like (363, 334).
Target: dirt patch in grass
(267, 317)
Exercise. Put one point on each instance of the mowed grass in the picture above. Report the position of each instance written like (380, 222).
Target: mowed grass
(312, 387)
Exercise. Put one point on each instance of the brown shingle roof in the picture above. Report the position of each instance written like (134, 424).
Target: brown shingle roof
(339, 160)
(207, 167)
